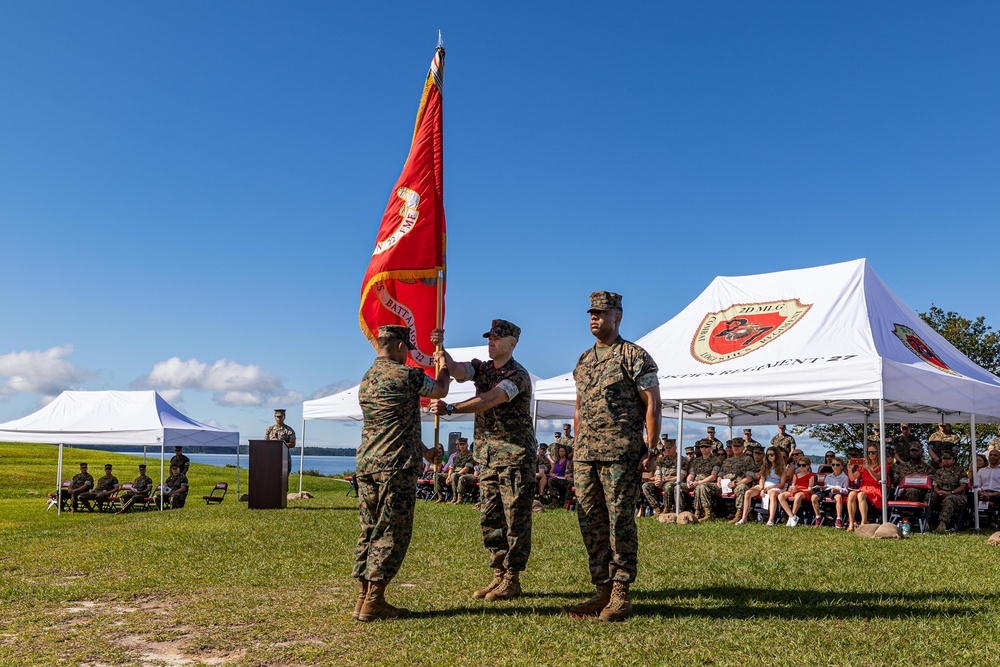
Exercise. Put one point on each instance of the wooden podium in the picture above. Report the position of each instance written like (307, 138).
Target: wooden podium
(268, 475)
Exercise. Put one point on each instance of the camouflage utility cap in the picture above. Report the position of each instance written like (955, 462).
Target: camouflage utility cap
(602, 301)
(396, 332)
(503, 328)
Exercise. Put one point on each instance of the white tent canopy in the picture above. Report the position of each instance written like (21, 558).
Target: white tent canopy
(114, 418)
(816, 345)
(344, 405)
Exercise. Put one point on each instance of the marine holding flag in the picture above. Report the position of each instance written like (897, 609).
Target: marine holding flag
(404, 283)
(402, 303)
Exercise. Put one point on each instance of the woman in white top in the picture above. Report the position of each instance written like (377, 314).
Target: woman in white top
(771, 480)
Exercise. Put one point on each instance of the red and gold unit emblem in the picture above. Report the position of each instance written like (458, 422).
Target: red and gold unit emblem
(743, 328)
(917, 346)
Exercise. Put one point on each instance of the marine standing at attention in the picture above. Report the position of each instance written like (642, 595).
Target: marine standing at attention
(617, 394)
(388, 464)
(505, 448)
(280, 431)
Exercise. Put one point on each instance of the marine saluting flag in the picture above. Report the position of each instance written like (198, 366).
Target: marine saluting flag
(405, 280)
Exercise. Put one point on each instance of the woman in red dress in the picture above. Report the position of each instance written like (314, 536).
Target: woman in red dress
(870, 490)
(799, 489)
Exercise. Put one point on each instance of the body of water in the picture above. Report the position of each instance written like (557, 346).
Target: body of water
(325, 465)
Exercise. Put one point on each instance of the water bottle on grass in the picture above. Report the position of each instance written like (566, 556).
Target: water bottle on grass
(905, 527)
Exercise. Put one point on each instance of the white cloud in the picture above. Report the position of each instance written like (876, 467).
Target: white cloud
(233, 383)
(43, 372)
(172, 396)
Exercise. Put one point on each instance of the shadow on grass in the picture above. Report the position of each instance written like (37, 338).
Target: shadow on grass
(734, 602)
(327, 509)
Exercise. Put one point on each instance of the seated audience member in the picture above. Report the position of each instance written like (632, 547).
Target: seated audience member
(988, 477)
(911, 462)
(82, 483)
(731, 472)
(941, 441)
(770, 482)
(704, 470)
(441, 479)
(800, 488)
(461, 478)
(141, 488)
(826, 467)
(434, 457)
(102, 491)
(664, 478)
(562, 476)
(175, 489)
(742, 485)
(868, 476)
(836, 486)
(948, 494)
(544, 466)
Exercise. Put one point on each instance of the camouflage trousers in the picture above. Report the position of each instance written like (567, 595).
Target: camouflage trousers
(606, 494)
(740, 493)
(704, 497)
(652, 493)
(505, 500)
(441, 480)
(912, 495)
(947, 507)
(386, 501)
(670, 496)
(462, 484)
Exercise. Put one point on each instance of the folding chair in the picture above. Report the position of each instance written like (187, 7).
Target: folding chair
(900, 509)
(113, 502)
(212, 498)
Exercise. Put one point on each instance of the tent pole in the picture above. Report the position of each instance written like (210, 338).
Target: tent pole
(680, 453)
(972, 482)
(162, 455)
(885, 464)
(730, 426)
(144, 455)
(59, 481)
(238, 494)
(302, 454)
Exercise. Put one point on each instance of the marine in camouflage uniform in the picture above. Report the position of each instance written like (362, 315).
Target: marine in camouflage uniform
(281, 431)
(80, 484)
(102, 490)
(735, 469)
(910, 461)
(940, 441)
(178, 459)
(506, 453)
(142, 486)
(710, 439)
(782, 439)
(660, 490)
(948, 495)
(614, 381)
(462, 483)
(175, 489)
(705, 467)
(749, 479)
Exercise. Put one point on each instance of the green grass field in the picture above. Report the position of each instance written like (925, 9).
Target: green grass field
(224, 585)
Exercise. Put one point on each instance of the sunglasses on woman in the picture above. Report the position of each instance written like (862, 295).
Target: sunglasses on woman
(801, 465)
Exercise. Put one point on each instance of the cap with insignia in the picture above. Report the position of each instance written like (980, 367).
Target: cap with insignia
(462, 440)
(396, 332)
(689, 450)
(503, 328)
(601, 301)
(711, 429)
(279, 411)
(142, 466)
(107, 466)
(671, 442)
(746, 430)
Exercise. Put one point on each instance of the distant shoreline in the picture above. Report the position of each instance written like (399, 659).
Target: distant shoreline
(138, 449)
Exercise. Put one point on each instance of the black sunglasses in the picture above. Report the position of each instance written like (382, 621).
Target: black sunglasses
(838, 465)
(872, 451)
(801, 465)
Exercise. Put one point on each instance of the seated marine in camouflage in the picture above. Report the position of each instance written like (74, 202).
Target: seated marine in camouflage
(660, 490)
(102, 490)
(948, 494)
(703, 471)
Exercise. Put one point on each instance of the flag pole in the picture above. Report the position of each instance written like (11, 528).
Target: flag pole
(437, 348)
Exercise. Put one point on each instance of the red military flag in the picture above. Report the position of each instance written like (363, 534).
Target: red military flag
(405, 282)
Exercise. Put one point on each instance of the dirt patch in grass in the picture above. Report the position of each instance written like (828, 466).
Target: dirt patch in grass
(175, 652)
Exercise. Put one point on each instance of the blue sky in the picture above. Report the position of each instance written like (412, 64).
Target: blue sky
(189, 192)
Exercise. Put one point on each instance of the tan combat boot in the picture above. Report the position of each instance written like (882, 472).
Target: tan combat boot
(619, 607)
(509, 589)
(709, 515)
(362, 594)
(440, 498)
(594, 605)
(498, 575)
(375, 608)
